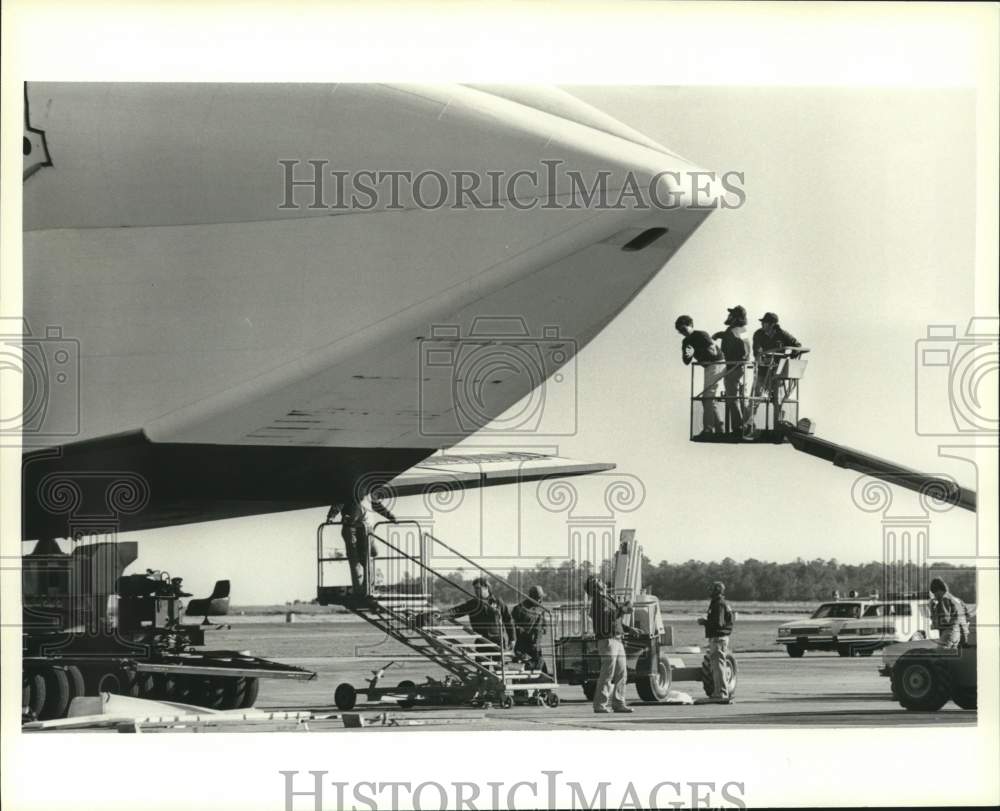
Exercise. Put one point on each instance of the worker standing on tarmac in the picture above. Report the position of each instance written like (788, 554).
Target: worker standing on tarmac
(529, 622)
(718, 627)
(949, 615)
(698, 346)
(606, 614)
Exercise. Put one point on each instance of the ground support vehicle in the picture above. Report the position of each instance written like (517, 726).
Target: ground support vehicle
(926, 676)
(478, 672)
(650, 667)
(88, 629)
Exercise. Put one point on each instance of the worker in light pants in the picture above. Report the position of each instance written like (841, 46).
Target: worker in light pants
(718, 627)
(698, 347)
(949, 616)
(606, 613)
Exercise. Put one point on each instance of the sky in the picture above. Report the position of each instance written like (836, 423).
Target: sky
(857, 230)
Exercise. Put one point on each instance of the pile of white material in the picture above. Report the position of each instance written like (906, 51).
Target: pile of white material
(677, 697)
(110, 710)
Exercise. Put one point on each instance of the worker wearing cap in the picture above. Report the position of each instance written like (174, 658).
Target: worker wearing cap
(718, 625)
(606, 614)
(699, 347)
(488, 615)
(355, 529)
(736, 351)
(771, 337)
(949, 615)
(529, 623)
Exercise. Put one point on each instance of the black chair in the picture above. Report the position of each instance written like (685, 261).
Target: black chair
(215, 605)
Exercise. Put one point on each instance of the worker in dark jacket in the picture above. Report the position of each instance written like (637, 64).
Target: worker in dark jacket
(736, 351)
(949, 616)
(354, 529)
(699, 347)
(606, 614)
(771, 337)
(529, 623)
(718, 625)
(488, 615)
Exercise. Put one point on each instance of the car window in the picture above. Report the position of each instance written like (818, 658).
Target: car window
(889, 610)
(838, 611)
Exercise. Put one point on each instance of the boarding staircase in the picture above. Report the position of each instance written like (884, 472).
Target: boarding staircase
(400, 603)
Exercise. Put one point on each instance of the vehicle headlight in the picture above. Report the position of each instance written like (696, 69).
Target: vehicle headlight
(870, 631)
(784, 631)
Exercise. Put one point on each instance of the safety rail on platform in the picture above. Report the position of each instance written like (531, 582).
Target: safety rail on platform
(507, 584)
(773, 385)
(400, 598)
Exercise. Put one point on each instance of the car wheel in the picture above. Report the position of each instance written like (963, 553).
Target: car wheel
(844, 650)
(655, 686)
(966, 697)
(795, 651)
(920, 682)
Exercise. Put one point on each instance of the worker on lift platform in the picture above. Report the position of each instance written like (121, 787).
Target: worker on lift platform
(698, 346)
(736, 351)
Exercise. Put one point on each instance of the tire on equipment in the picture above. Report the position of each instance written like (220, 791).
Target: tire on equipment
(655, 686)
(921, 682)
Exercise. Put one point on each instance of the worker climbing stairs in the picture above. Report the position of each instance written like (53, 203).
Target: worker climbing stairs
(399, 601)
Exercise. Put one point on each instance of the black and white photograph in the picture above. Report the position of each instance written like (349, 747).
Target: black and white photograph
(471, 425)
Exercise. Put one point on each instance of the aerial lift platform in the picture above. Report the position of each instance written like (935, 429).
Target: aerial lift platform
(401, 603)
(765, 410)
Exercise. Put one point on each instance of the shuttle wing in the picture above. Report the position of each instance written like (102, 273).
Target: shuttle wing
(126, 482)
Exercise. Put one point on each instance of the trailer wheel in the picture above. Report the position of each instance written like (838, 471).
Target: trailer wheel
(36, 692)
(345, 696)
(176, 688)
(655, 686)
(729, 671)
(143, 686)
(966, 697)
(921, 682)
(590, 689)
(77, 686)
(233, 691)
(220, 692)
(56, 693)
(552, 699)
(117, 681)
(250, 691)
(410, 688)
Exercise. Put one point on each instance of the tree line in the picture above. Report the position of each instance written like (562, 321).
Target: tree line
(752, 579)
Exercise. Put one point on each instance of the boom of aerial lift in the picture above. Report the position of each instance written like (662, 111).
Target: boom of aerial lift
(770, 414)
